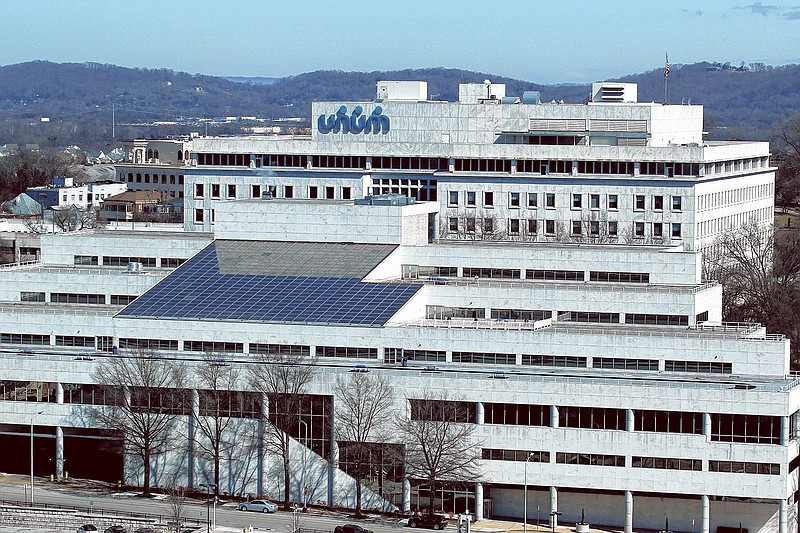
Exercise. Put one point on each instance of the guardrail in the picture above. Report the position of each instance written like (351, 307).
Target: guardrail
(99, 511)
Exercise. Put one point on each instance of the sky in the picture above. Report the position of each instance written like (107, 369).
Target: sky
(565, 41)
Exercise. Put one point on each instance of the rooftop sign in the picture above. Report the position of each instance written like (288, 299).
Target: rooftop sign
(354, 123)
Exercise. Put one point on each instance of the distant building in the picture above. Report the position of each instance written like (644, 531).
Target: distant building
(155, 165)
(130, 205)
(64, 193)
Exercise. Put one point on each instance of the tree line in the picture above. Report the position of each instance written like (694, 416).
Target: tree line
(148, 394)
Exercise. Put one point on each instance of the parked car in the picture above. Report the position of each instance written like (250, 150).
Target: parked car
(262, 506)
(86, 527)
(115, 529)
(429, 521)
(350, 528)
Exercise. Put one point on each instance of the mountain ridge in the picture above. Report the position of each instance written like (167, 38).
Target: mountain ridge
(80, 99)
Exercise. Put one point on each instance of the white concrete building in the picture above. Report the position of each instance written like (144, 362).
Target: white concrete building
(613, 170)
(600, 373)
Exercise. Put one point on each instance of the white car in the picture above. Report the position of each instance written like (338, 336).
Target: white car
(262, 506)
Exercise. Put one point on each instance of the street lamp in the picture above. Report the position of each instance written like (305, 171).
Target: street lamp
(208, 487)
(525, 498)
(32, 419)
(304, 424)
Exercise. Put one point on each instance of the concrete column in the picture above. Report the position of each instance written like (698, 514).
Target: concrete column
(59, 435)
(554, 416)
(628, 512)
(478, 502)
(479, 413)
(629, 420)
(705, 523)
(707, 425)
(784, 430)
(553, 507)
(195, 399)
(59, 452)
(406, 495)
(260, 462)
(782, 516)
(333, 463)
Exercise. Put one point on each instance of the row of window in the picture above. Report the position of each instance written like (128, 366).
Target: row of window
(752, 429)
(416, 271)
(740, 195)
(74, 298)
(121, 261)
(140, 178)
(592, 228)
(661, 463)
(515, 199)
(535, 166)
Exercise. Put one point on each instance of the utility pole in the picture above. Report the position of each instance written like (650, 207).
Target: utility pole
(113, 122)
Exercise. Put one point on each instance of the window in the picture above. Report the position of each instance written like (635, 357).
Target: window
(612, 228)
(452, 198)
(347, 351)
(533, 227)
(85, 260)
(26, 296)
(231, 190)
(471, 198)
(676, 203)
(638, 229)
(576, 227)
(313, 191)
(513, 199)
(594, 227)
(638, 202)
(550, 199)
(619, 277)
(470, 224)
(658, 203)
(550, 227)
(513, 226)
(613, 201)
(576, 201)
(73, 298)
(656, 320)
(594, 201)
(594, 459)
(676, 230)
(198, 215)
(198, 190)
(330, 193)
(213, 346)
(554, 275)
(347, 193)
(658, 229)
(739, 467)
(666, 463)
(517, 415)
(288, 191)
(256, 191)
(533, 200)
(488, 225)
(488, 199)
(452, 224)
(215, 190)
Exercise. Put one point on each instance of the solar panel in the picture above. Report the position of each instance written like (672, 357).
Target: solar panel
(288, 282)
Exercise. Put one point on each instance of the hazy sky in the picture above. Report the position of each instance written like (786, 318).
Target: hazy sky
(538, 41)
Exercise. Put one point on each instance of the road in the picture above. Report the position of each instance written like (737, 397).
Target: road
(227, 517)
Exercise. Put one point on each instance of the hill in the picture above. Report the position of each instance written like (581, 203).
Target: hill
(78, 101)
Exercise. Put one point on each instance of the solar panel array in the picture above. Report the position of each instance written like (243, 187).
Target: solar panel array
(214, 285)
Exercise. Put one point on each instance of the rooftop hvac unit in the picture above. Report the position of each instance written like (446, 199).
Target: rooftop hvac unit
(531, 97)
(135, 268)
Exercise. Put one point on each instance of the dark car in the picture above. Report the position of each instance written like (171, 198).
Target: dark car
(115, 529)
(87, 527)
(428, 521)
(350, 528)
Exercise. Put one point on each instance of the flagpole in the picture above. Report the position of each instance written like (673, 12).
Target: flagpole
(666, 76)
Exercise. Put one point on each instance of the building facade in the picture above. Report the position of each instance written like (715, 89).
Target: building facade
(612, 170)
(599, 374)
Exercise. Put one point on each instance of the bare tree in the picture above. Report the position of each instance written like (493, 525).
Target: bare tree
(440, 443)
(146, 393)
(176, 498)
(74, 218)
(760, 268)
(363, 413)
(283, 379)
(217, 401)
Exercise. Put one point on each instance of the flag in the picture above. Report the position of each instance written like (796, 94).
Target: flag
(666, 67)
